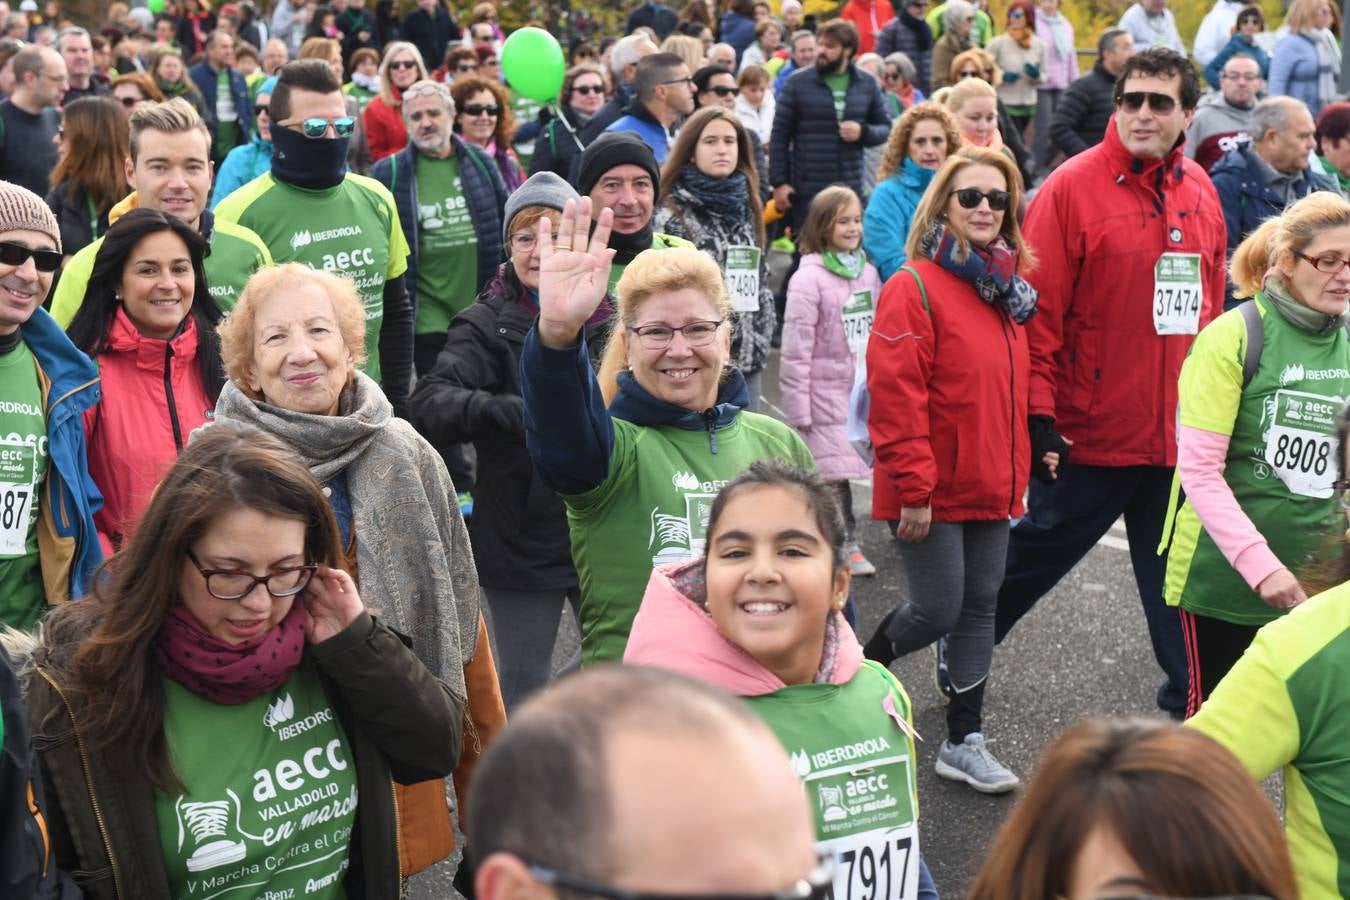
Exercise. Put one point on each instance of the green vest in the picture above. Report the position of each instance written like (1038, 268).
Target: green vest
(659, 242)
(652, 509)
(23, 469)
(858, 764)
(1280, 466)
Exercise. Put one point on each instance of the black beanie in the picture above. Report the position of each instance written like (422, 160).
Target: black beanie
(616, 148)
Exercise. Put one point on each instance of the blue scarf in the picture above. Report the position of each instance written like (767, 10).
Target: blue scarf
(991, 270)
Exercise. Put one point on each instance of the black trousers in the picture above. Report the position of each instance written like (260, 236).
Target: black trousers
(1213, 646)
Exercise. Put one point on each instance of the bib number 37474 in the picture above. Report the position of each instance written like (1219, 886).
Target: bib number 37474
(1177, 294)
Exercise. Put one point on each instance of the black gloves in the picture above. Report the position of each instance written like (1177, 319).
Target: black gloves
(1045, 439)
(506, 413)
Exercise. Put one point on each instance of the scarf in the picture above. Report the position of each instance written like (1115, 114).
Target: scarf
(995, 141)
(1295, 312)
(905, 95)
(1341, 179)
(369, 82)
(628, 246)
(227, 673)
(845, 265)
(991, 270)
(1329, 70)
(1021, 34)
(728, 196)
(1060, 36)
(923, 35)
(399, 492)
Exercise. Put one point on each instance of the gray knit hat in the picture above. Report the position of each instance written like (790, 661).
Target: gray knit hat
(540, 189)
(23, 210)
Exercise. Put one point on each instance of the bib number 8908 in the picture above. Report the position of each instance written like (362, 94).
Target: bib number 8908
(1302, 454)
(866, 867)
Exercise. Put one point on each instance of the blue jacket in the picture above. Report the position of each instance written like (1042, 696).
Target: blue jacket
(889, 211)
(784, 74)
(68, 543)
(242, 164)
(483, 189)
(640, 121)
(1295, 69)
(1236, 45)
(205, 78)
(738, 31)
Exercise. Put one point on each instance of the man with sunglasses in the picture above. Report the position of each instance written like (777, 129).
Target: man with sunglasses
(663, 93)
(48, 543)
(225, 93)
(1131, 241)
(629, 782)
(309, 209)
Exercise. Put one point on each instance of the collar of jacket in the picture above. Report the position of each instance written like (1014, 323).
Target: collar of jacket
(913, 175)
(71, 372)
(634, 404)
(150, 353)
(639, 110)
(1099, 69)
(1128, 167)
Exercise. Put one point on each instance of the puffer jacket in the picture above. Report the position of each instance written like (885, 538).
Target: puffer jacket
(889, 212)
(1084, 111)
(912, 37)
(103, 823)
(948, 416)
(153, 397)
(817, 366)
(1099, 224)
(1295, 70)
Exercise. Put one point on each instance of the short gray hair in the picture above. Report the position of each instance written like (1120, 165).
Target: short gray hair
(904, 64)
(625, 53)
(957, 11)
(1272, 113)
(428, 87)
(70, 31)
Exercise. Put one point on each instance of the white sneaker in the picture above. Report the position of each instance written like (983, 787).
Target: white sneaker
(971, 762)
(859, 564)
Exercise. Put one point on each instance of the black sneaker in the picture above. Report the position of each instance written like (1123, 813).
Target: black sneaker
(879, 647)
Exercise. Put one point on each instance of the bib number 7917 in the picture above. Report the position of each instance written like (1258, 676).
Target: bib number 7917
(874, 871)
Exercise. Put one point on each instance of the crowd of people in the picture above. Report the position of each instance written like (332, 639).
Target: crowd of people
(336, 369)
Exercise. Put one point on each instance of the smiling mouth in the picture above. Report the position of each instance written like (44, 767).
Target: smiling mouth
(679, 374)
(763, 608)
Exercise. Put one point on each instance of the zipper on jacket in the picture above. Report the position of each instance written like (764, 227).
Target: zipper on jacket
(89, 784)
(710, 422)
(168, 395)
(1012, 418)
(398, 843)
(41, 821)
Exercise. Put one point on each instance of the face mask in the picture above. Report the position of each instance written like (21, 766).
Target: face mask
(307, 163)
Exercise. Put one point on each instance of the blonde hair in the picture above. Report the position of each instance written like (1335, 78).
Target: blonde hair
(689, 49)
(236, 329)
(826, 208)
(656, 272)
(386, 86)
(956, 96)
(897, 148)
(933, 206)
(984, 61)
(1279, 237)
(1303, 13)
(170, 117)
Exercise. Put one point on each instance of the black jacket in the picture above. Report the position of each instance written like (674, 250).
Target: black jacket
(1081, 117)
(912, 37)
(430, 36)
(1012, 139)
(519, 526)
(79, 222)
(555, 149)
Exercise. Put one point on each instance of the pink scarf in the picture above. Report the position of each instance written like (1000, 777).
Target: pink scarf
(226, 673)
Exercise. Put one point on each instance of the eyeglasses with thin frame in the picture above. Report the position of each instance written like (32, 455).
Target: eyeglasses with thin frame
(816, 886)
(970, 198)
(473, 110)
(1133, 101)
(525, 241)
(688, 79)
(12, 254)
(659, 337)
(1327, 265)
(1240, 76)
(229, 584)
(316, 127)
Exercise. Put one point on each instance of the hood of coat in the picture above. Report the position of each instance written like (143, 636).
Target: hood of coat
(674, 631)
(1217, 105)
(149, 353)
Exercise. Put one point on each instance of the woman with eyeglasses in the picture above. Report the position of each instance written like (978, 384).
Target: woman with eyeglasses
(222, 708)
(484, 119)
(948, 370)
(386, 132)
(1256, 454)
(1306, 63)
(89, 179)
(559, 143)
(1250, 25)
(247, 162)
(760, 616)
(1021, 54)
(638, 451)
(1139, 809)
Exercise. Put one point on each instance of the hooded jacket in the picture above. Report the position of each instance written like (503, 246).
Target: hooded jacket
(1099, 224)
(889, 211)
(1218, 127)
(242, 165)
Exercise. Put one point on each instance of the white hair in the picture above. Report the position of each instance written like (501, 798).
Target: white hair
(625, 53)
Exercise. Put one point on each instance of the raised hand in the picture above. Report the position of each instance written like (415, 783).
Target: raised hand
(331, 604)
(574, 275)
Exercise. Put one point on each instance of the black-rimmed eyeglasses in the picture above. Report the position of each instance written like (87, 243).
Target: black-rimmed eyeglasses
(815, 886)
(229, 584)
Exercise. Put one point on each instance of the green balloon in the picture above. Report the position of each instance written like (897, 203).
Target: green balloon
(532, 61)
(155, 6)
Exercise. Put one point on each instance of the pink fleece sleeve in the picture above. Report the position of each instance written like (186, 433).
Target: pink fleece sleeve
(1200, 463)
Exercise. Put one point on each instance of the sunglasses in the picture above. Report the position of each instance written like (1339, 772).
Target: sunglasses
(466, 67)
(968, 73)
(722, 90)
(584, 89)
(970, 198)
(259, 108)
(473, 110)
(317, 127)
(130, 102)
(1133, 101)
(15, 255)
(403, 64)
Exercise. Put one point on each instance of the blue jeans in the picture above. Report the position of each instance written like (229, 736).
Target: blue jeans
(1065, 520)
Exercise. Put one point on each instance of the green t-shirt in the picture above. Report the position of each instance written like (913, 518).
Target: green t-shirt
(659, 242)
(269, 797)
(652, 509)
(447, 261)
(363, 95)
(236, 253)
(23, 466)
(1281, 455)
(838, 85)
(227, 117)
(351, 229)
(858, 763)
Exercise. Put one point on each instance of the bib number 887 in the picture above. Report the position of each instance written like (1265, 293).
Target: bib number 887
(873, 870)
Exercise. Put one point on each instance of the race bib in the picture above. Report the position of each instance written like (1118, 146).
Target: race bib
(16, 496)
(1301, 443)
(742, 277)
(859, 313)
(880, 860)
(1177, 294)
(882, 864)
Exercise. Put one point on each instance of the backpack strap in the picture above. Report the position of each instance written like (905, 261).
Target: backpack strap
(1256, 338)
(923, 291)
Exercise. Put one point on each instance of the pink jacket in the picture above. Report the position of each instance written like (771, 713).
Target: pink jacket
(673, 631)
(816, 370)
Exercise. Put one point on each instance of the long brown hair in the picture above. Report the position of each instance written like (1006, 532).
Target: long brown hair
(1180, 804)
(98, 144)
(682, 154)
(111, 670)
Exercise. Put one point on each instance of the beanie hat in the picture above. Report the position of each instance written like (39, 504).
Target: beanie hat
(540, 189)
(267, 87)
(23, 210)
(615, 148)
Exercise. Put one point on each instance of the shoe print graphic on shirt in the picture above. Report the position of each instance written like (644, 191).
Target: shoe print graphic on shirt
(209, 822)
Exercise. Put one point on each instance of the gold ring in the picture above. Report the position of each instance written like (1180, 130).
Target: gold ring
(566, 247)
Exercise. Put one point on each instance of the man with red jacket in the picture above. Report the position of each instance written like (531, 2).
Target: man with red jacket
(1131, 239)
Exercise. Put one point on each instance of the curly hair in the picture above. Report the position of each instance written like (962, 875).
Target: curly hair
(897, 148)
(465, 88)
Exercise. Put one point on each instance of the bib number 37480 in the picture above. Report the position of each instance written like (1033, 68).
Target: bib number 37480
(742, 278)
(1177, 294)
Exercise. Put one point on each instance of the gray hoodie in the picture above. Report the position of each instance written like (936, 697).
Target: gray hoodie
(1218, 127)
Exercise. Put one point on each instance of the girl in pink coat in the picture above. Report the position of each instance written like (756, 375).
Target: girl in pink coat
(831, 304)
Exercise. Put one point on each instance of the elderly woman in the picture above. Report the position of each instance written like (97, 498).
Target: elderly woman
(519, 526)
(291, 349)
(678, 396)
(173, 706)
(958, 20)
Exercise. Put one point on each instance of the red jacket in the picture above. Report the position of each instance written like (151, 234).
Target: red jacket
(870, 16)
(948, 412)
(1098, 365)
(142, 420)
(386, 132)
